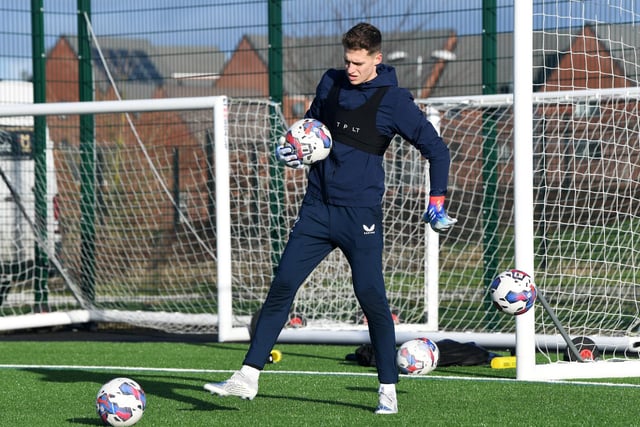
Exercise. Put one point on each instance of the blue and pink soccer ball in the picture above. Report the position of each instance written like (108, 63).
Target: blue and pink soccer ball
(513, 292)
(311, 139)
(121, 402)
(417, 356)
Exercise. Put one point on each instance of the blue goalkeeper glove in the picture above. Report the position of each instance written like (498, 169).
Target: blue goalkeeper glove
(436, 216)
(286, 154)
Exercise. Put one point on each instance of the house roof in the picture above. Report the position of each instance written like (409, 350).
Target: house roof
(464, 75)
(139, 66)
(305, 59)
(623, 41)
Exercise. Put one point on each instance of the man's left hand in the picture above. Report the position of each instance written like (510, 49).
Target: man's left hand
(436, 215)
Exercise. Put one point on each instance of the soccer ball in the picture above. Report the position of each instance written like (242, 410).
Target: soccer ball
(311, 140)
(513, 292)
(418, 356)
(121, 402)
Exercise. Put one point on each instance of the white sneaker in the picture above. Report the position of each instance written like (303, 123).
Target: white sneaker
(387, 403)
(238, 385)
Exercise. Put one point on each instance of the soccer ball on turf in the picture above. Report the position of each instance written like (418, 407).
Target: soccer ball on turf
(311, 140)
(121, 402)
(418, 356)
(513, 292)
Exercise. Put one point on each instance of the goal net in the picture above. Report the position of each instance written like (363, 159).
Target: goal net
(171, 219)
(140, 207)
(174, 220)
(586, 193)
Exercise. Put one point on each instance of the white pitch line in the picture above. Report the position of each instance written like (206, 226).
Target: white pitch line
(344, 374)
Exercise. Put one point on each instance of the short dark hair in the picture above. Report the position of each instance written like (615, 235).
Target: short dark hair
(363, 36)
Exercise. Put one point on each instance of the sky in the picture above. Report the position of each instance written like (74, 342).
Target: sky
(222, 23)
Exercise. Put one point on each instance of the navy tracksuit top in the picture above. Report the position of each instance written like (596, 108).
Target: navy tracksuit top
(351, 176)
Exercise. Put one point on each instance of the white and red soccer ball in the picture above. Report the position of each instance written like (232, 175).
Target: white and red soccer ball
(311, 139)
(417, 356)
(513, 292)
(121, 402)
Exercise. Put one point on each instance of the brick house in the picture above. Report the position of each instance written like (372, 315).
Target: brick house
(142, 71)
(574, 142)
(305, 59)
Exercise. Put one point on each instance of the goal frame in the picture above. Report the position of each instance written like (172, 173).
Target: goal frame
(525, 340)
(228, 325)
(526, 367)
(218, 105)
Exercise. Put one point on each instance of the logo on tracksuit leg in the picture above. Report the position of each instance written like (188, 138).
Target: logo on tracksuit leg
(369, 229)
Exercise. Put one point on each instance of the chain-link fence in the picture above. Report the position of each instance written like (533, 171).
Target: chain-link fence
(153, 48)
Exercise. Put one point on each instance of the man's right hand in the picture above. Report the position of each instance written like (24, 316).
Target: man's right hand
(286, 154)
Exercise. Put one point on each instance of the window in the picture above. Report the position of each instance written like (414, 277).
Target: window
(587, 149)
(586, 109)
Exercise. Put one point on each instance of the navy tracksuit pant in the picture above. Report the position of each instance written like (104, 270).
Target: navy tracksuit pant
(319, 229)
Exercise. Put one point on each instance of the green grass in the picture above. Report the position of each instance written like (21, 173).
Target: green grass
(338, 393)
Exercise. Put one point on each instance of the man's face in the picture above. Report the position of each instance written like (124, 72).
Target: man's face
(360, 65)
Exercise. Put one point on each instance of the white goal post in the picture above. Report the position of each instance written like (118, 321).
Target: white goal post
(215, 121)
(175, 252)
(524, 141)
(580, 253)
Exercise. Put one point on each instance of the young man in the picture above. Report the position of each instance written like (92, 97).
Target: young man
(363, 108)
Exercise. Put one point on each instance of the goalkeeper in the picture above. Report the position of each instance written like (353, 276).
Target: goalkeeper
(363, 108)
